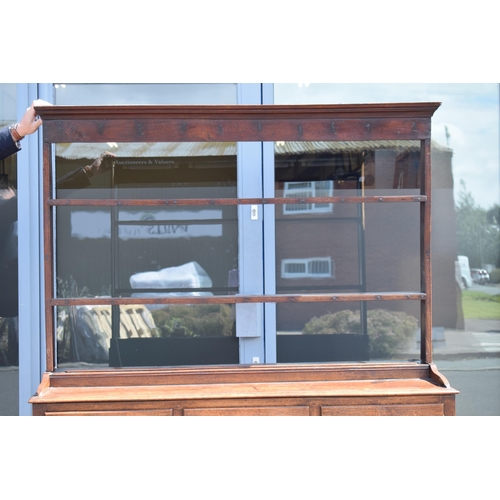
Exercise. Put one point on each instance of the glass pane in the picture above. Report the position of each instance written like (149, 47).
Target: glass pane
(326, 247)
(139, 93)
(379, 251)
(9, 376)
(153, 250)
(392, 247)
(348, 331)
(83, 252)
(138, 335)
(162, 170)
(369, 168)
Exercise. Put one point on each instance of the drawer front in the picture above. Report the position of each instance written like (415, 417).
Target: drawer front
(110, 413)
(263, 411)
(433, 409)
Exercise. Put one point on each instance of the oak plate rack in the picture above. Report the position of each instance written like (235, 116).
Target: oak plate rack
(412, 388)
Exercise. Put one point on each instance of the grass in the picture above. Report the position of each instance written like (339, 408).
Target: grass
(479, 305)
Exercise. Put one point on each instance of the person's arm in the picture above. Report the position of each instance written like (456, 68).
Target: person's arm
(80, 177)
(8, 146)
(76, 179)
(11, 137)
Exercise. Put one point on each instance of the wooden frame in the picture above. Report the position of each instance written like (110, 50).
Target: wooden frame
(76, 392)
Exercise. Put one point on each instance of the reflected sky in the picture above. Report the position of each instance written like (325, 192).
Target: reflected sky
(145, 93)
(469, 113)
(7, 103)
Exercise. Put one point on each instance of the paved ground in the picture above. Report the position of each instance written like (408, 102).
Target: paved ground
(480, 338)
(478, 381)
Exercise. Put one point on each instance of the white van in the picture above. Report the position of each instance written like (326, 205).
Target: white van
(462, 272)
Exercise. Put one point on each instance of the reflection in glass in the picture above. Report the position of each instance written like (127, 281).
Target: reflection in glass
(348, 331)
(324, 247)
(146, 170)
(84, 332)
(321, 168)
(101, 248)
(156, 250)
(146, 335)
(151, 255)
(8, 248)
(143, 93)
(352, 247)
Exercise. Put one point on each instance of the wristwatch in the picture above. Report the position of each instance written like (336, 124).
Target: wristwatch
(15, 134)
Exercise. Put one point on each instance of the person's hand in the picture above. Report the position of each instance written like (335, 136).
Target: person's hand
(98, 166)
(7, 193)
(30, 122)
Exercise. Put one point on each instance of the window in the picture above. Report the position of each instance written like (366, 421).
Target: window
(308, 268)
(314, 189)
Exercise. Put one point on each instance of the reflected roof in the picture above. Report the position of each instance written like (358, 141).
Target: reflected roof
(73, 151)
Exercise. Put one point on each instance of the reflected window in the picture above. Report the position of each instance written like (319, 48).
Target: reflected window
(307, 190)
(308, 268)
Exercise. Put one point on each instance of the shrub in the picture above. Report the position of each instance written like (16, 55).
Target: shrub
(340, 322)
(495, 276)
(388, 332)
(205, 320)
